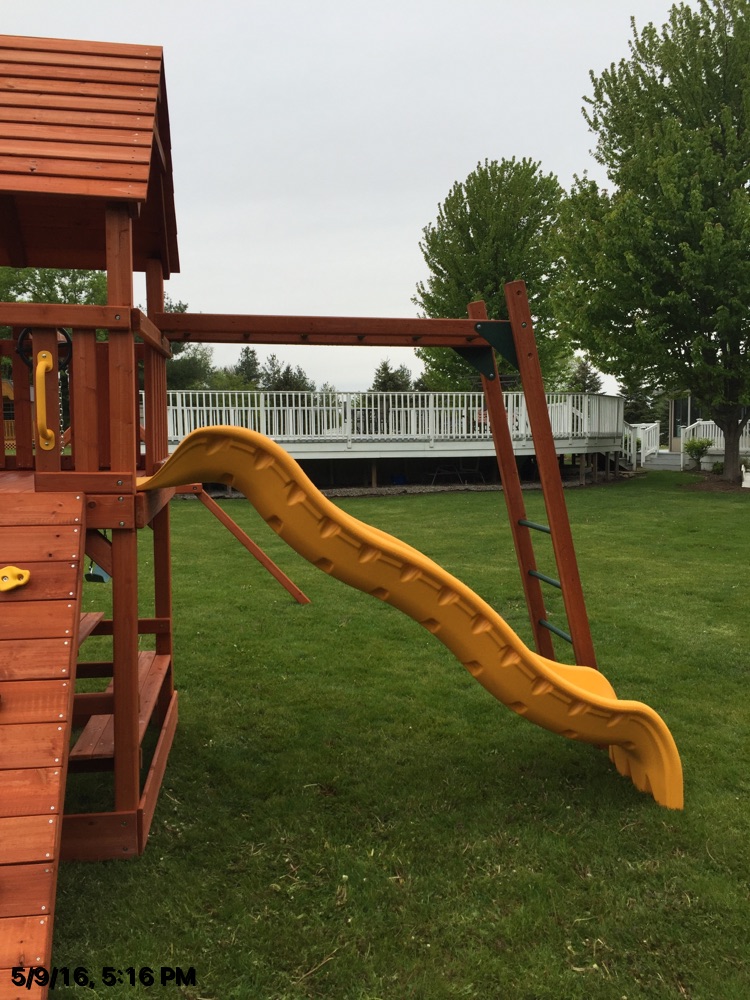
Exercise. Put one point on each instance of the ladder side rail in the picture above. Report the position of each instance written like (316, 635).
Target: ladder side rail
(511, 483)
(549, 472)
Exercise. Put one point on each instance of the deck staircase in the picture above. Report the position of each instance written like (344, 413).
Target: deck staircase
(42, 535)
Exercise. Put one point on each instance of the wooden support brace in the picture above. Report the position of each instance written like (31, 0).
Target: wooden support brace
(253, 548)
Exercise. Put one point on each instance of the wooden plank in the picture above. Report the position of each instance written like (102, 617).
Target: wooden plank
(75, 134)
(83, 389)
(47, 581)
(121, 49)
(133, 107)
(97, 741)
(149, 691)
(122, 190)
(39, 545)
(10, 992)
(88, 482)
(25, 509)
(22, 406)
(26, 890)
(39, 620)
(27, 838)
(155, 777)
(34, 659)
(90, 703)
(38, 166)
(38, 745)
(13, 111)
(99, 836)
(29, 791)
(148, 505)
(24, 941)
(33, 701)
(149, 333)
(138, 79)
(110, 510)
(75, 88)
(30, 509)
(99, 549)
(35, 314)
(88, 624)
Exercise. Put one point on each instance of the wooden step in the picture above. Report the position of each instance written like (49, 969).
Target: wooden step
(97, 740)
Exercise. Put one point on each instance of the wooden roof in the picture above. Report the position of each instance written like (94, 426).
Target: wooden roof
(82, 124)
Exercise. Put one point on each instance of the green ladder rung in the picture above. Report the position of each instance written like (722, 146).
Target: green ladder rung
(547, 579)
(557, 631)
(534, 525)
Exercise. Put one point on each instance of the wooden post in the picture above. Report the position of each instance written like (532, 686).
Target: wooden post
(155, 382)
(123, 437)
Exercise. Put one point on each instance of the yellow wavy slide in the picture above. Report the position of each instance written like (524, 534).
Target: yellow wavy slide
(577, 702)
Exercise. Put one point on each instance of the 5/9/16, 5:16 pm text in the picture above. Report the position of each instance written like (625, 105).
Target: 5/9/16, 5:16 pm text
(166, 975)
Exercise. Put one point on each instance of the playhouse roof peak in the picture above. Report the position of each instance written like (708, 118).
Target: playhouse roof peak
(83, 124)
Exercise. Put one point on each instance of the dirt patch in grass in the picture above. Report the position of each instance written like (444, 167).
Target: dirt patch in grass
(709, 483)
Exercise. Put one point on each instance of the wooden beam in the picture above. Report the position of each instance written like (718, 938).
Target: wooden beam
(150, 334)
(34, 314)
(334, 330)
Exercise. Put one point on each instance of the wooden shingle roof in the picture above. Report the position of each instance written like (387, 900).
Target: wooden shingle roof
(82, 124)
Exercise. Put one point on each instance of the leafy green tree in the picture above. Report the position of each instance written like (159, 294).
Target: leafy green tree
(388, 379)
(277, 377)
(47, 284)
(657, 269)
(191, 367)
(496, 226)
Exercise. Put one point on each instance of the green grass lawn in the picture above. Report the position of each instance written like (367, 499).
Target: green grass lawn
(346, 814)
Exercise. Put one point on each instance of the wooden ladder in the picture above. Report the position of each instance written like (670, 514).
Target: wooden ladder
(523, 354)
(39, 630)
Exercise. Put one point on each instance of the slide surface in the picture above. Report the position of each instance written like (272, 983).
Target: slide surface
(576, 702)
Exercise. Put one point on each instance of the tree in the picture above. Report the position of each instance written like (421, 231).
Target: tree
(47, 284)
(248, 367)
(191, 367)
(277, 377)
(658, 270)
(584, 377)
(496, 226)
(387, 379)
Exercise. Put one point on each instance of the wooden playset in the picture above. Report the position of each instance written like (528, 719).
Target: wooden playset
(86, 182)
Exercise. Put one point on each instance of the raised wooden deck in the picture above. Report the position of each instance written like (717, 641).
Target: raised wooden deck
(39, 631)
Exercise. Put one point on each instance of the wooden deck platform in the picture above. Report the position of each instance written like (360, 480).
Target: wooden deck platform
(38, 649)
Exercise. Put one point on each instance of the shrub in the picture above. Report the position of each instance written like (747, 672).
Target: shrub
(697, 448)
(717, 468)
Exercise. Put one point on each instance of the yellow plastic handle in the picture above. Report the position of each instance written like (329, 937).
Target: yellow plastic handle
(12, 577)
(46, 435)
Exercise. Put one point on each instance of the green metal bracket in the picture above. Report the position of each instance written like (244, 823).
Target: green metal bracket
(498, 333)
(480, 358)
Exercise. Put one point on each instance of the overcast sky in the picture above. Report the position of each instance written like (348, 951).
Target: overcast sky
(313, 140)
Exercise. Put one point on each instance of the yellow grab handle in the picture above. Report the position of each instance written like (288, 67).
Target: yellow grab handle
(12, 577)
(46, 435)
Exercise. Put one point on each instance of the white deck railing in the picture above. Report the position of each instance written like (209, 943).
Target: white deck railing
(639, 441)
(708, 429)
(393, 416)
